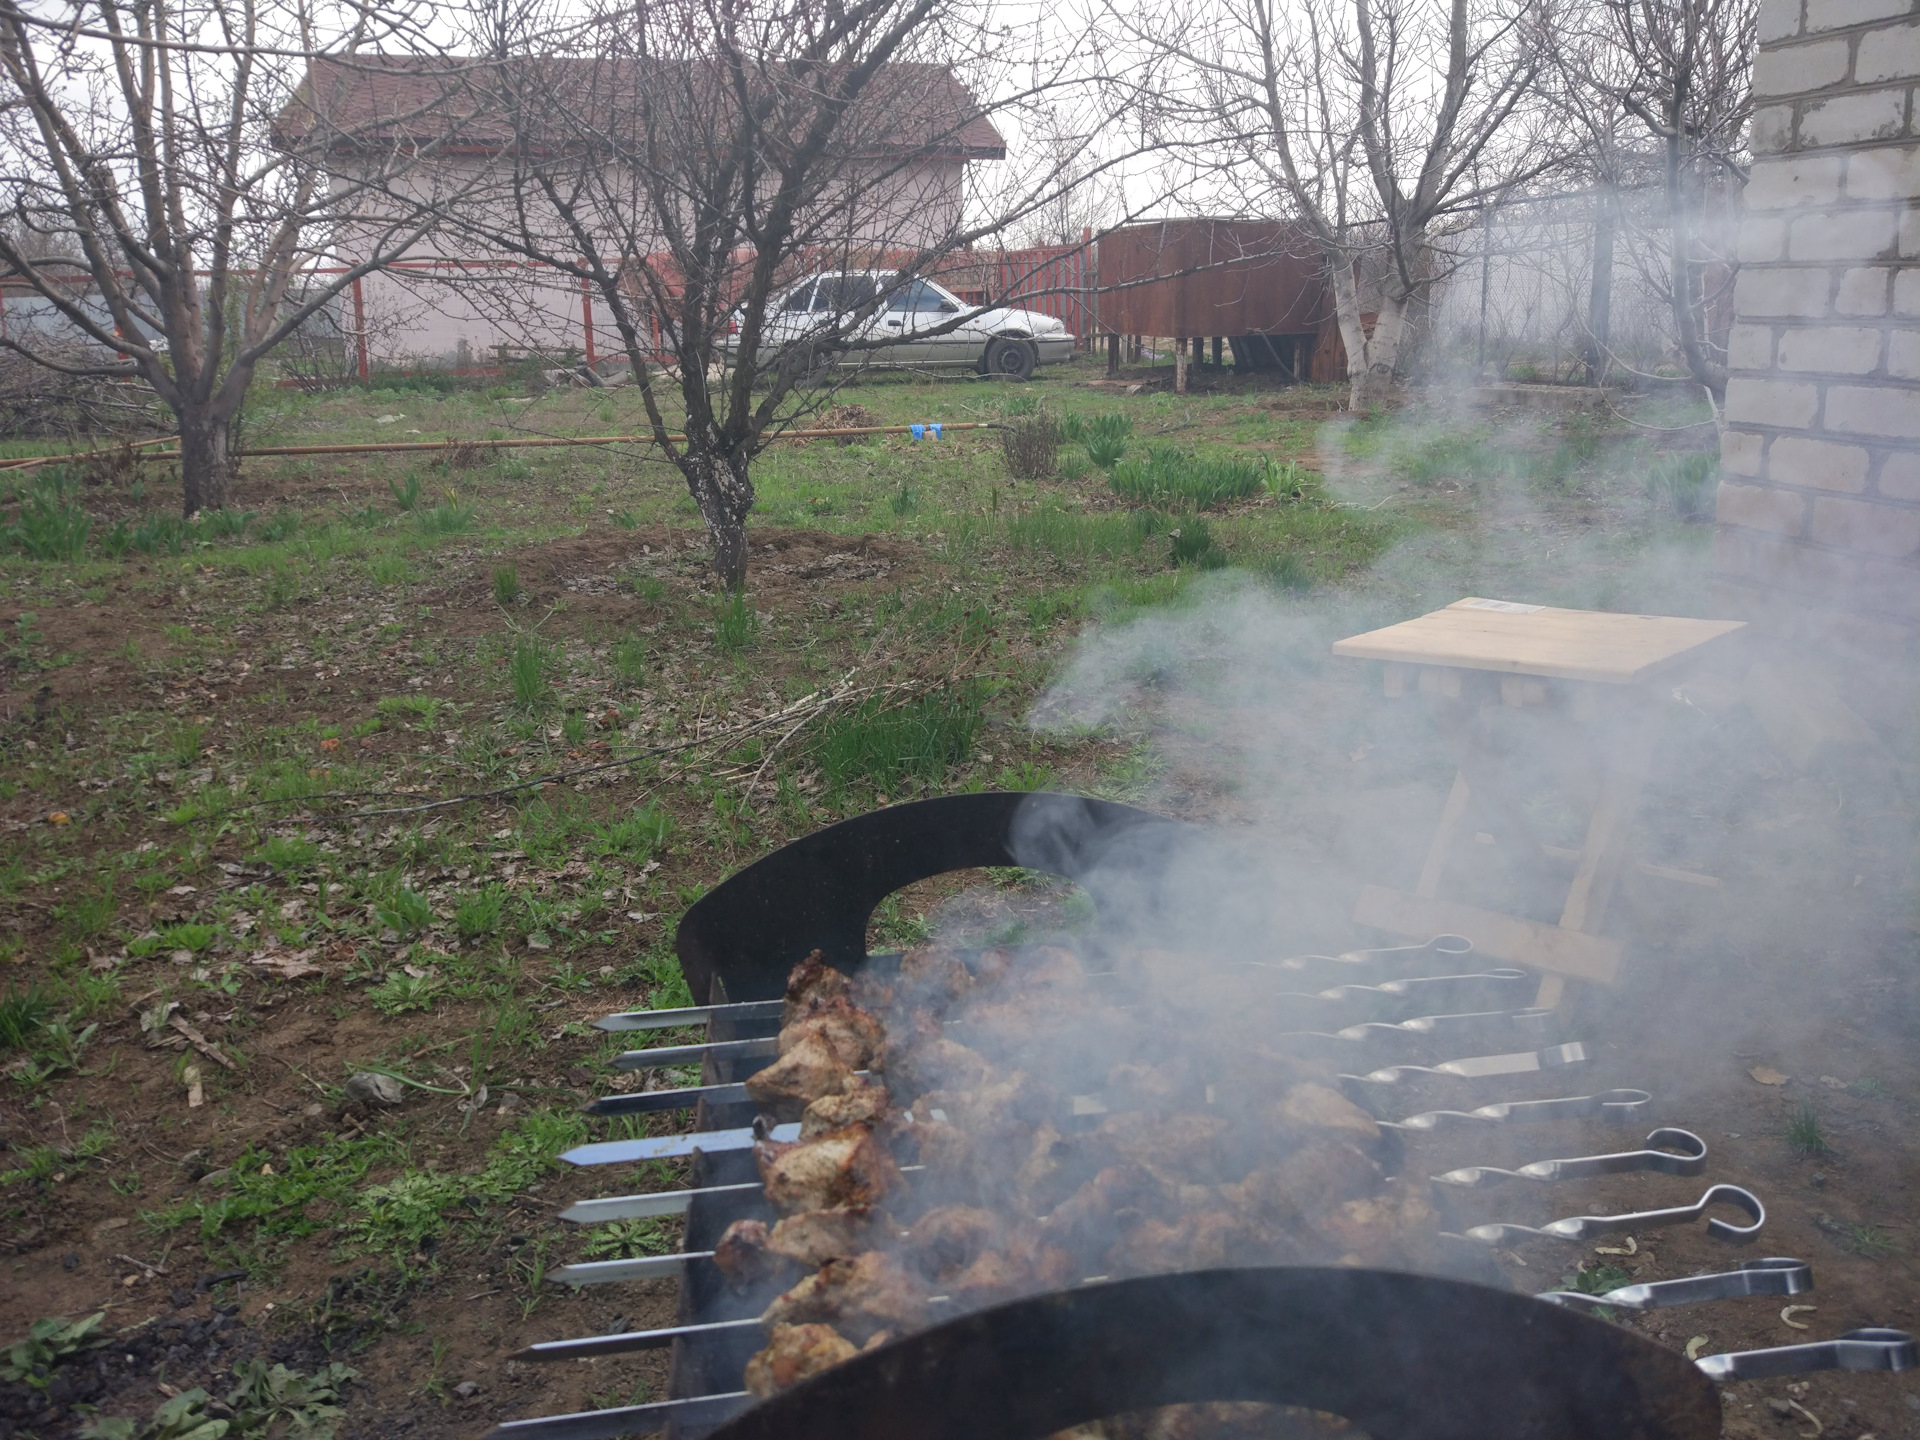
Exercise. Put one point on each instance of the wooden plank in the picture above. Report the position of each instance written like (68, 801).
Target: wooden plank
(1498, 635)
(1502, 937)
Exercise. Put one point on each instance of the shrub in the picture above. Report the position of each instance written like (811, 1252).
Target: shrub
(1183, 481)
(1031, 444)
(1684, 484)
(884, 745)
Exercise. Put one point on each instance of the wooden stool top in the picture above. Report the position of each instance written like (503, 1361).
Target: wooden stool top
(1476, 634)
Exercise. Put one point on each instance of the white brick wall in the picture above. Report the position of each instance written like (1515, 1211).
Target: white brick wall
(1819, 503)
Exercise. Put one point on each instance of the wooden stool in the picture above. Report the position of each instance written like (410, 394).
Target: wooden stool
(1590, 666)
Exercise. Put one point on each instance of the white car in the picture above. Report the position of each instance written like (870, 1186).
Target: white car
(994, 341)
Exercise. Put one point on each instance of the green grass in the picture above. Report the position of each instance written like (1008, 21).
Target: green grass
(22, 1012)
(735, 624)
(506, 584)
(1803, 1131)
(881, 746)
(1178, 480)
(1105, 437)
(527, 673)
(1067, 534)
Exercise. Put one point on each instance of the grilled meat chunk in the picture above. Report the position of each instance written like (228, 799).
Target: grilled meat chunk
(933, 975)
(950, 1237)
(1024, 1265)
(862, 1102)
(934, 1063)
(1393, 1228)
(743, 1257)
(811, 985)
(807, 1072)
(1307, 1109)
(1178, 1147)
(852, 1035)
(870, 1292)
(814, 1237)
(793, 1353)
(842, 1167)
(1089, 1221)
(1205, 1240)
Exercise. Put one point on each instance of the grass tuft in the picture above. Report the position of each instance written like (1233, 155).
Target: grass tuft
(1803, 1131)
(735, 623)
(506, 584)
(1178, 480)
(527, 669)
(883, 746)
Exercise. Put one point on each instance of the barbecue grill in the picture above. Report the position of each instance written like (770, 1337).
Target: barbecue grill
(1409, 1356)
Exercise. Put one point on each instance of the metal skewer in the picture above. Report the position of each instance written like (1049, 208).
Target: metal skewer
(1524, 1024)
(673, 1147)
(625, 1419)
(1870, 1349)
(1479, 1067)
(1617, 1106)
(1775, 1275)
(1659, 1155)
(1590, 1227)
(692, 1015)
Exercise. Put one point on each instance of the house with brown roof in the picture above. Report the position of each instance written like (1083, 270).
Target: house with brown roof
(454, 134)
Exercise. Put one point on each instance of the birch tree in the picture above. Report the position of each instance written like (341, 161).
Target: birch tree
(1679, 73)
(1375, 123)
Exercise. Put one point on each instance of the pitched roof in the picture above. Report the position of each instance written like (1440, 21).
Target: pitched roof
(460, 103)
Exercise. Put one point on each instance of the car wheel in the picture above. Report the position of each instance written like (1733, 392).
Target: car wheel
(1009, 358)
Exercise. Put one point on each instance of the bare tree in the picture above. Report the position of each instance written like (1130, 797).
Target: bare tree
(166, 195)
(1374, 122)
(1680, 71)
(686, 161)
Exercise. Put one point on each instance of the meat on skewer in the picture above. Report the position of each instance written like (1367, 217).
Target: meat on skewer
(860, 1296)
(793, 1353)
(847, 1166)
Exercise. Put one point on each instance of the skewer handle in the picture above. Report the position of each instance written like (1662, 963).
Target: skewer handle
(692, 1015)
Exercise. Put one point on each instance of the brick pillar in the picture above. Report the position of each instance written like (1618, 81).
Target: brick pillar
(1819, 501)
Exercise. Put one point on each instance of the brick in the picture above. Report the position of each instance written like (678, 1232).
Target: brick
(1890, 54)
(1906, 292)
(1771, 402)
(1903, 355)
(1900, 476)
(1740, 452)
(1750, 347)
(1843, 235)
(1886, 173)
(1862, 292)
(1797, 293)
(1865, 526)
(1755, 507)
(1851, 119)
(1778, 20)
(1793, 180)
(1838, 14)
(1831, 350)
(1874, 410)
(1762, 238)
(1910, 232)
(1817, 464)
(1796, 69)
(1771, 132)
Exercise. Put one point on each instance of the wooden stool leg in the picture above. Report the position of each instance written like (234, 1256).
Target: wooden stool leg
(1436, 865)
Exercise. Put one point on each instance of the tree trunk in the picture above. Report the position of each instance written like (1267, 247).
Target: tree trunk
(1370, 378)
(204, 462)
(1600, 294)
(724, 493)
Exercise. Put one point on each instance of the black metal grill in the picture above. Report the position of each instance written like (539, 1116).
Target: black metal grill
(740, 942)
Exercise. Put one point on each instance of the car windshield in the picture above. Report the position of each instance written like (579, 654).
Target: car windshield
(918, 296)
(841, 293)
(796, 302)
